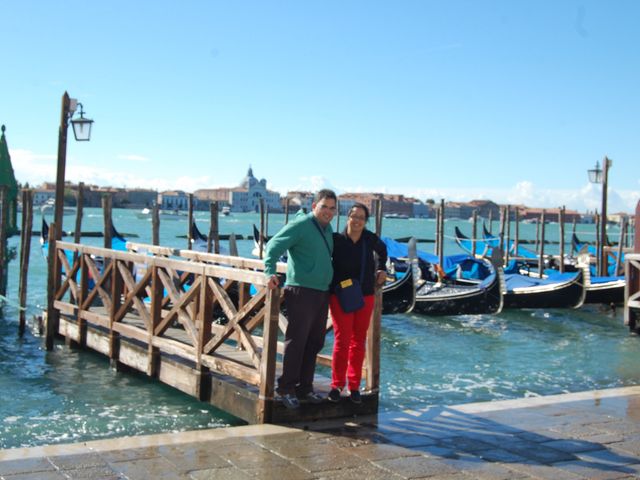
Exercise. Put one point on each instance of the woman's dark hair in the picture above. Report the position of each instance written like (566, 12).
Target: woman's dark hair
(363, 207)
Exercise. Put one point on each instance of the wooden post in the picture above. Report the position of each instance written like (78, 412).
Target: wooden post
(474, 232)
(372, 359)
(77, 232)
(233, 246)
(4, 224)
(573, 232)
(378, 204)
(538, 234)
(106, 215)
(636, 237)
(203, 319)
(286, 210)
(155, 224)
(61, 166)
(190, 220)
(623, 228)
(561, 239)
(598, 257)
(25, 253)
(436, 239)
(503, 222)
(441, 234)
(541, 258)
(213, 239)
(262, 229)
(117, 293)
(157, 292)
(53, 281)
(506, 228)
(516, 236)
(268, 360)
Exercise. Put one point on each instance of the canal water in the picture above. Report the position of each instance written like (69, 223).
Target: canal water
(68, 395)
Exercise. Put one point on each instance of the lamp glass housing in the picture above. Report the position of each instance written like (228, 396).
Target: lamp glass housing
(595, 174)
(82, 128)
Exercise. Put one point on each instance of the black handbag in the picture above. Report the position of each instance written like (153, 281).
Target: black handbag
(349, 291)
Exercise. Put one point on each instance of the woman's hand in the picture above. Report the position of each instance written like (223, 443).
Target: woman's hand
(381, 277)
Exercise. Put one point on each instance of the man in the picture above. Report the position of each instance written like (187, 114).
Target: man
(309, 242)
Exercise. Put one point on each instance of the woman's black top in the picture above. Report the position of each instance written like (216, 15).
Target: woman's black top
(347, 259)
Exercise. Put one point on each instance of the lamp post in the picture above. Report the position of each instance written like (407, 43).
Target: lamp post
(598, 175)
(82, 132)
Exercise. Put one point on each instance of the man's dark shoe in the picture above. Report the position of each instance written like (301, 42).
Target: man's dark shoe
(355, 397)
(290, 401)
(312, 397)
(334, 395)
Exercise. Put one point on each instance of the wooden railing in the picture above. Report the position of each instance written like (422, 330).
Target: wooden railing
(632, 291)
(144, 293)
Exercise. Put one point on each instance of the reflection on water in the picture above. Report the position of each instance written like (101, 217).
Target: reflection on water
(67, 395)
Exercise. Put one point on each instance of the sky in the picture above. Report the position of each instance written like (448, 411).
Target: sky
(511, 101)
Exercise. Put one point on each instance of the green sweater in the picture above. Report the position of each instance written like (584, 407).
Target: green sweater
(309, 261)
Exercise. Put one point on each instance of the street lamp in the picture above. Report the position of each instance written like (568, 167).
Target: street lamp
(600, 175)
(81, 127)
(82, 132)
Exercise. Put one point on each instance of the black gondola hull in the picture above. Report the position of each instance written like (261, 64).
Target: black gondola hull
(566, 295)
(461, 300)
(399, 296)
(607, 293)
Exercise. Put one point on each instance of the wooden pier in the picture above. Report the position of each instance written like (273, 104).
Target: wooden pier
(188, 319)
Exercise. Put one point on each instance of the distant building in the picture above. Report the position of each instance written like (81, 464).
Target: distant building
(299, 200)
(173, 200)
(245, 197)
(391, 203)
(42, 195)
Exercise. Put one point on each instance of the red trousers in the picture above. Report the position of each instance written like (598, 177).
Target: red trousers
(350, 335)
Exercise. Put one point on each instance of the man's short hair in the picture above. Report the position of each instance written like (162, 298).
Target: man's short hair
(325, 193)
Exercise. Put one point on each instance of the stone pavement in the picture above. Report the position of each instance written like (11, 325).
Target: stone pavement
(573, 436)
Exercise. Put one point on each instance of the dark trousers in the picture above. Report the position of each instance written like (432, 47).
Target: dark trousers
(307, 311)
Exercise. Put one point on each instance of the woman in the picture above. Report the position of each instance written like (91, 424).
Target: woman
(350, 247)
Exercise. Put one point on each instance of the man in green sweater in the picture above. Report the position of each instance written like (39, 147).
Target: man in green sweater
(308, 239)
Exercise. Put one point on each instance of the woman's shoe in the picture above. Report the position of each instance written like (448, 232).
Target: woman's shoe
(355, 397)
(334, 395)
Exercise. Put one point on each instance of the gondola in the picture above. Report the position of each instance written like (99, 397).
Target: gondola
(562, 290)
(449, 295)
(439, 298)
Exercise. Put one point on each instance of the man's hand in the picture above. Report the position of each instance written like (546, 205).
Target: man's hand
(273, 282)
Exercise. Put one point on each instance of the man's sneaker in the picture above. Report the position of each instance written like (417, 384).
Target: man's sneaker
(313, 397)
(355, 397)
(334, 395)
(290, 401)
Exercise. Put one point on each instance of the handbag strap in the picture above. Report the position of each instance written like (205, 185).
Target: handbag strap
(315, 222)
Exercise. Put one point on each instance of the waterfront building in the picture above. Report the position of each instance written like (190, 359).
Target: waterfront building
(391, 203)
(299, 200)
(245, 197)
(42, 196)
(173, 200)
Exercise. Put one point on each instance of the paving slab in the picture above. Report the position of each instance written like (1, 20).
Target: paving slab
(574, 436)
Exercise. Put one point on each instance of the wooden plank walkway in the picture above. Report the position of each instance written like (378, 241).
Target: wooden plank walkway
(187, 319)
